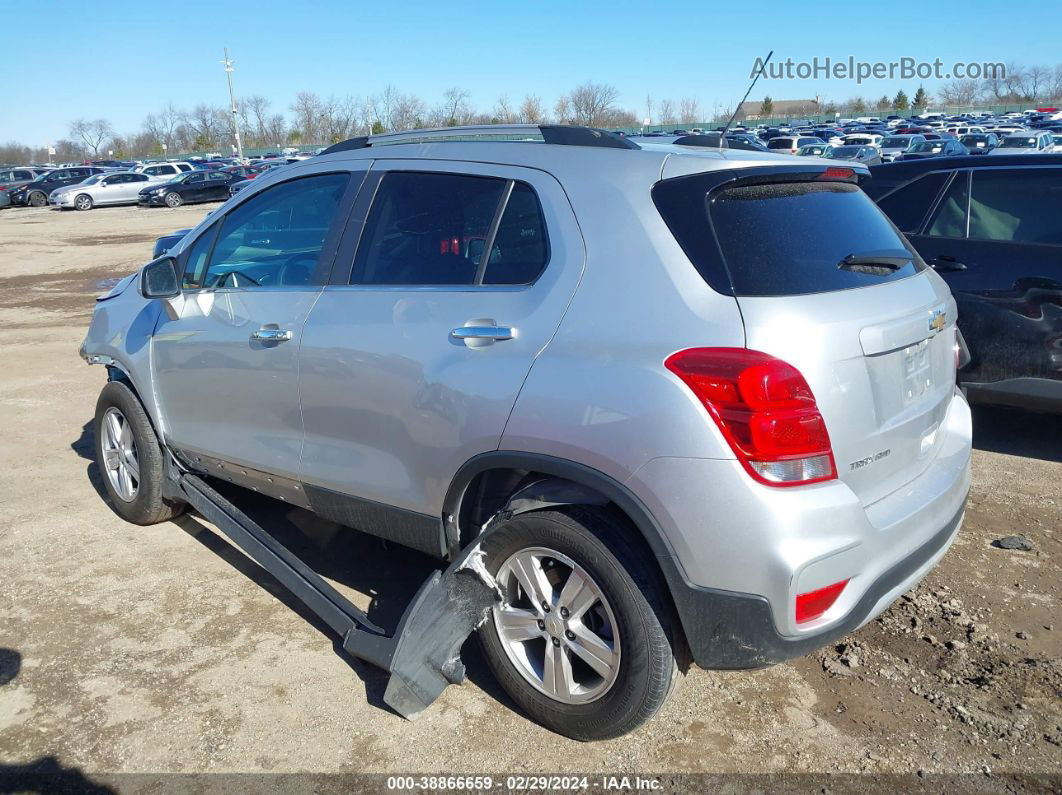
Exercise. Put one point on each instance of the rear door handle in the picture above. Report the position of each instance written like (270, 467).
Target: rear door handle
(481, 332)
(271, 335)
(946, 263)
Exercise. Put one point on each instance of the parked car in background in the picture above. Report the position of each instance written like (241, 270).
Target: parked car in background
(112, 187)
(789, 144)
(892, 146)
(868, 155)
(245, 172)
(12, 178)
(163, 172)
(990, 228)
(166, 242)
(239, 185)
(36, 193)
(979, 143)
(5, 199)
(863, 139)
(195, 186)
(815, 150)
(1025, 144)
(704, 483)
(944, 147)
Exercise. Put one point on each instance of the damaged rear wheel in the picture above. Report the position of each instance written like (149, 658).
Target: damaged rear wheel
(581, 641)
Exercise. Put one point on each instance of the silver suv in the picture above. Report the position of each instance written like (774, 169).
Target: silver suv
(698, 404)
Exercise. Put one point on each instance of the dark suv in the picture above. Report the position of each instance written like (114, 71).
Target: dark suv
(991, 228)
(35, 193)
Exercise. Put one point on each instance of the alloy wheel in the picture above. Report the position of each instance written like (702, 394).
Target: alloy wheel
(556, 626)
(120, 455)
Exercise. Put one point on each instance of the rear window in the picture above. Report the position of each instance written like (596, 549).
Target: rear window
(780, 143)
(783, 238)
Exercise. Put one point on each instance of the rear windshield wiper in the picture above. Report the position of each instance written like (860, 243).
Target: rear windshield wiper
(876, 263)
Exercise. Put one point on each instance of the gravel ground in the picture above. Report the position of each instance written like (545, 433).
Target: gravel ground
(163, 649)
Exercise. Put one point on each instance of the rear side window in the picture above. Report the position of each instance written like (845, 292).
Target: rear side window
(781, 238)
(1017, 206)
(427, 229)
(907, 206)
(780, 143)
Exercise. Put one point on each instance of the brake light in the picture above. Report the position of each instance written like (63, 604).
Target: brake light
(837, 172)
(764, 409)
(813, 604)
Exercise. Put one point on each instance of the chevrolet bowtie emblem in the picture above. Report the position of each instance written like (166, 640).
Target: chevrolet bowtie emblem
(937, 320)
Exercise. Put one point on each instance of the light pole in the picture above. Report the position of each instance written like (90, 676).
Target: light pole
(232, 98)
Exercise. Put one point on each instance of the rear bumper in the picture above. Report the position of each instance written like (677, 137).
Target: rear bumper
(728, 630)
(740, 553)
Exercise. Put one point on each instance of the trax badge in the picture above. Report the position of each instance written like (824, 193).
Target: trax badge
(937, 320)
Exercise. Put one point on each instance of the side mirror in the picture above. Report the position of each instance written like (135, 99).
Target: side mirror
(158, 279)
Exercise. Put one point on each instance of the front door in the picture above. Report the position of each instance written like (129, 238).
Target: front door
(415, 353)
(225, 351)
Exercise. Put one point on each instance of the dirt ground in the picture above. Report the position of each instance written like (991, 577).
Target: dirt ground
(127, 649)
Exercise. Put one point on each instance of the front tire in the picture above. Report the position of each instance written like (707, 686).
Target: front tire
(37, 199)
(83, 202)
(173, 199)
(129, 458)
(583, 641)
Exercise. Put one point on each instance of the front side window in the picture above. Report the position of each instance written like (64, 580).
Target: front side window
(275, 238)
(907, 206)
(949, 220)
(1017, 205)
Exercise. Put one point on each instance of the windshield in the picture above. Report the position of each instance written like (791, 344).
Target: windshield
(780, 143)
(847, 151)
(927, 146)
(895, 143)
(973, 140)
(1018, 143)
(858, 139)
(811, 150)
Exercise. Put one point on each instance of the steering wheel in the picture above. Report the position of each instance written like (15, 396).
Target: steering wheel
(221, 282)
(292, 261)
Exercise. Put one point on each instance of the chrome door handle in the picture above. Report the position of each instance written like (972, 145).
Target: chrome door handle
(271, 335)
(496, 333)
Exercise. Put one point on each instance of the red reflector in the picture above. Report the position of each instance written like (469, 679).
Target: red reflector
(813, 604)
(836, 172)
(444, 246)
(455, 246)
(765, 411)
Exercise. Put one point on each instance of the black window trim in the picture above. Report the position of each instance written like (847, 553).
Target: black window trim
(340, 277)
(326, 257)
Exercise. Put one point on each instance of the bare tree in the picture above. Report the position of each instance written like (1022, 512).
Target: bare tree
(959, 92)
(531, 110)
(562, 110)
(666, 113)
(307, 109)
(207, 125)
(91, 133)
(503, 112)
(591, 104)
(689, 110)
(455, 109)
(258, 118)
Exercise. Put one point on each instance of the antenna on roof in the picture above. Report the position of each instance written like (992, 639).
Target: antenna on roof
(763, 66)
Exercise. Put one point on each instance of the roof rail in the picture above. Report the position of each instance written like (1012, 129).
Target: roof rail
(558, 134)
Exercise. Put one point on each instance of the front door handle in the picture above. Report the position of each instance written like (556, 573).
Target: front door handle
(946, 263)
(271, 335)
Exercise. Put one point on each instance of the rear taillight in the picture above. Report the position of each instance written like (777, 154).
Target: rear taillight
(765, 410)
(837, 172)
(813, 604)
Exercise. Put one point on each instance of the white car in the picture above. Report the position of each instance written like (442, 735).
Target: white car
(893, 146)
(110, 187)
(788, 144)
(164, 172)
(1025, 144)
(863, 139)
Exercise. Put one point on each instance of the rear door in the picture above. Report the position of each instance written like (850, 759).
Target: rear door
(225, 351)
(414, 355)
(874, 337)
(995, 237)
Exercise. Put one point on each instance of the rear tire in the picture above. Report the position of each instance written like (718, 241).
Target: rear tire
(83, 202)
(129, 458)
(621, 618)
(173, 199)
(36, 199)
